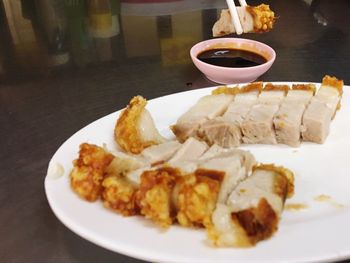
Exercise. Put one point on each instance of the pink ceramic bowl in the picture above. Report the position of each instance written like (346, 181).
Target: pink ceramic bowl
(226, 75)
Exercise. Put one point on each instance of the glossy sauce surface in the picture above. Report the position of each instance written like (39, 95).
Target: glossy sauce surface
(232, 58)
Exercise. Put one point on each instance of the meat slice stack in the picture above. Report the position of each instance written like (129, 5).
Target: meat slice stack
(207, 108)
(270, 115)
(321, 110)
(288, 120)
(253, 210)
(258, 124)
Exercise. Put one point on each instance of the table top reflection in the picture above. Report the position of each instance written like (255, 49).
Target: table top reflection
(64, 64)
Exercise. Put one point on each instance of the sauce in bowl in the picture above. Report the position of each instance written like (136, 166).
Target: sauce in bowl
(231, 57)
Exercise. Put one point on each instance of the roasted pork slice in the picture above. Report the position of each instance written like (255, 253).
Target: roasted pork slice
(321, 110)
(254, 19)
(316, 121)
(161, 152)
(135, 129)
(258, 125)
(224, 130)
(190, 150)
(243, 101)
(236, 165)
(287, 121)
(330, 93)
(218, 131)
(253, 209)
(208, 107)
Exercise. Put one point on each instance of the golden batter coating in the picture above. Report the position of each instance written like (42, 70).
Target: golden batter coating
(127, 133)
(154, 196)
(196, 196)
(264, 17)
(89, 170)
(119, 195)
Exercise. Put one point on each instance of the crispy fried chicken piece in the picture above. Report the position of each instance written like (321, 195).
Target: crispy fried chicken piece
(135, 129)
(89, 170)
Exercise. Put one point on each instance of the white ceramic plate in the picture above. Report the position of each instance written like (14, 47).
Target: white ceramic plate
(319, 233)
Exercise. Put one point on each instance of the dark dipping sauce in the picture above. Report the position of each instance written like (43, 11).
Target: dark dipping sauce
(231, 58)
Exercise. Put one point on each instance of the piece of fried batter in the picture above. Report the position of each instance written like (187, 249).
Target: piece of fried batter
(119, 195)
(154, 196)
(135, 129)
(88, 171)
(196, 196)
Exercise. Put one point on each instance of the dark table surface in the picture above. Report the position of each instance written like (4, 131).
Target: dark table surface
(62, 68)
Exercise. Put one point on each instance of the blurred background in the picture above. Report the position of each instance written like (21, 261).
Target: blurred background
(43, 37)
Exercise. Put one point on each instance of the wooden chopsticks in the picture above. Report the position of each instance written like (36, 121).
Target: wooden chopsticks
(234, 14)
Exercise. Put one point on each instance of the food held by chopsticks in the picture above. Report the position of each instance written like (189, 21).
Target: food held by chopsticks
(253, 19)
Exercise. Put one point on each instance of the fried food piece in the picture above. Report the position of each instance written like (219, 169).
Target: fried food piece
(89, 170)
(254, 208)
(154, 196)
(135, 129)
(254, 19)
(196, 196)
(263, 16)
(119, 195)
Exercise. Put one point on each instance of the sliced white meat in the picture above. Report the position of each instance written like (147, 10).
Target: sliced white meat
(288, 119)
(316, 121)
(258, 125)
(218, 131)
(161, 152)
(321, 110)
(236, 164)
(240, 107)
(147, 128)
(190, 150)
(287, 123)
(208, 107)
(253, 209)
(211, 152)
